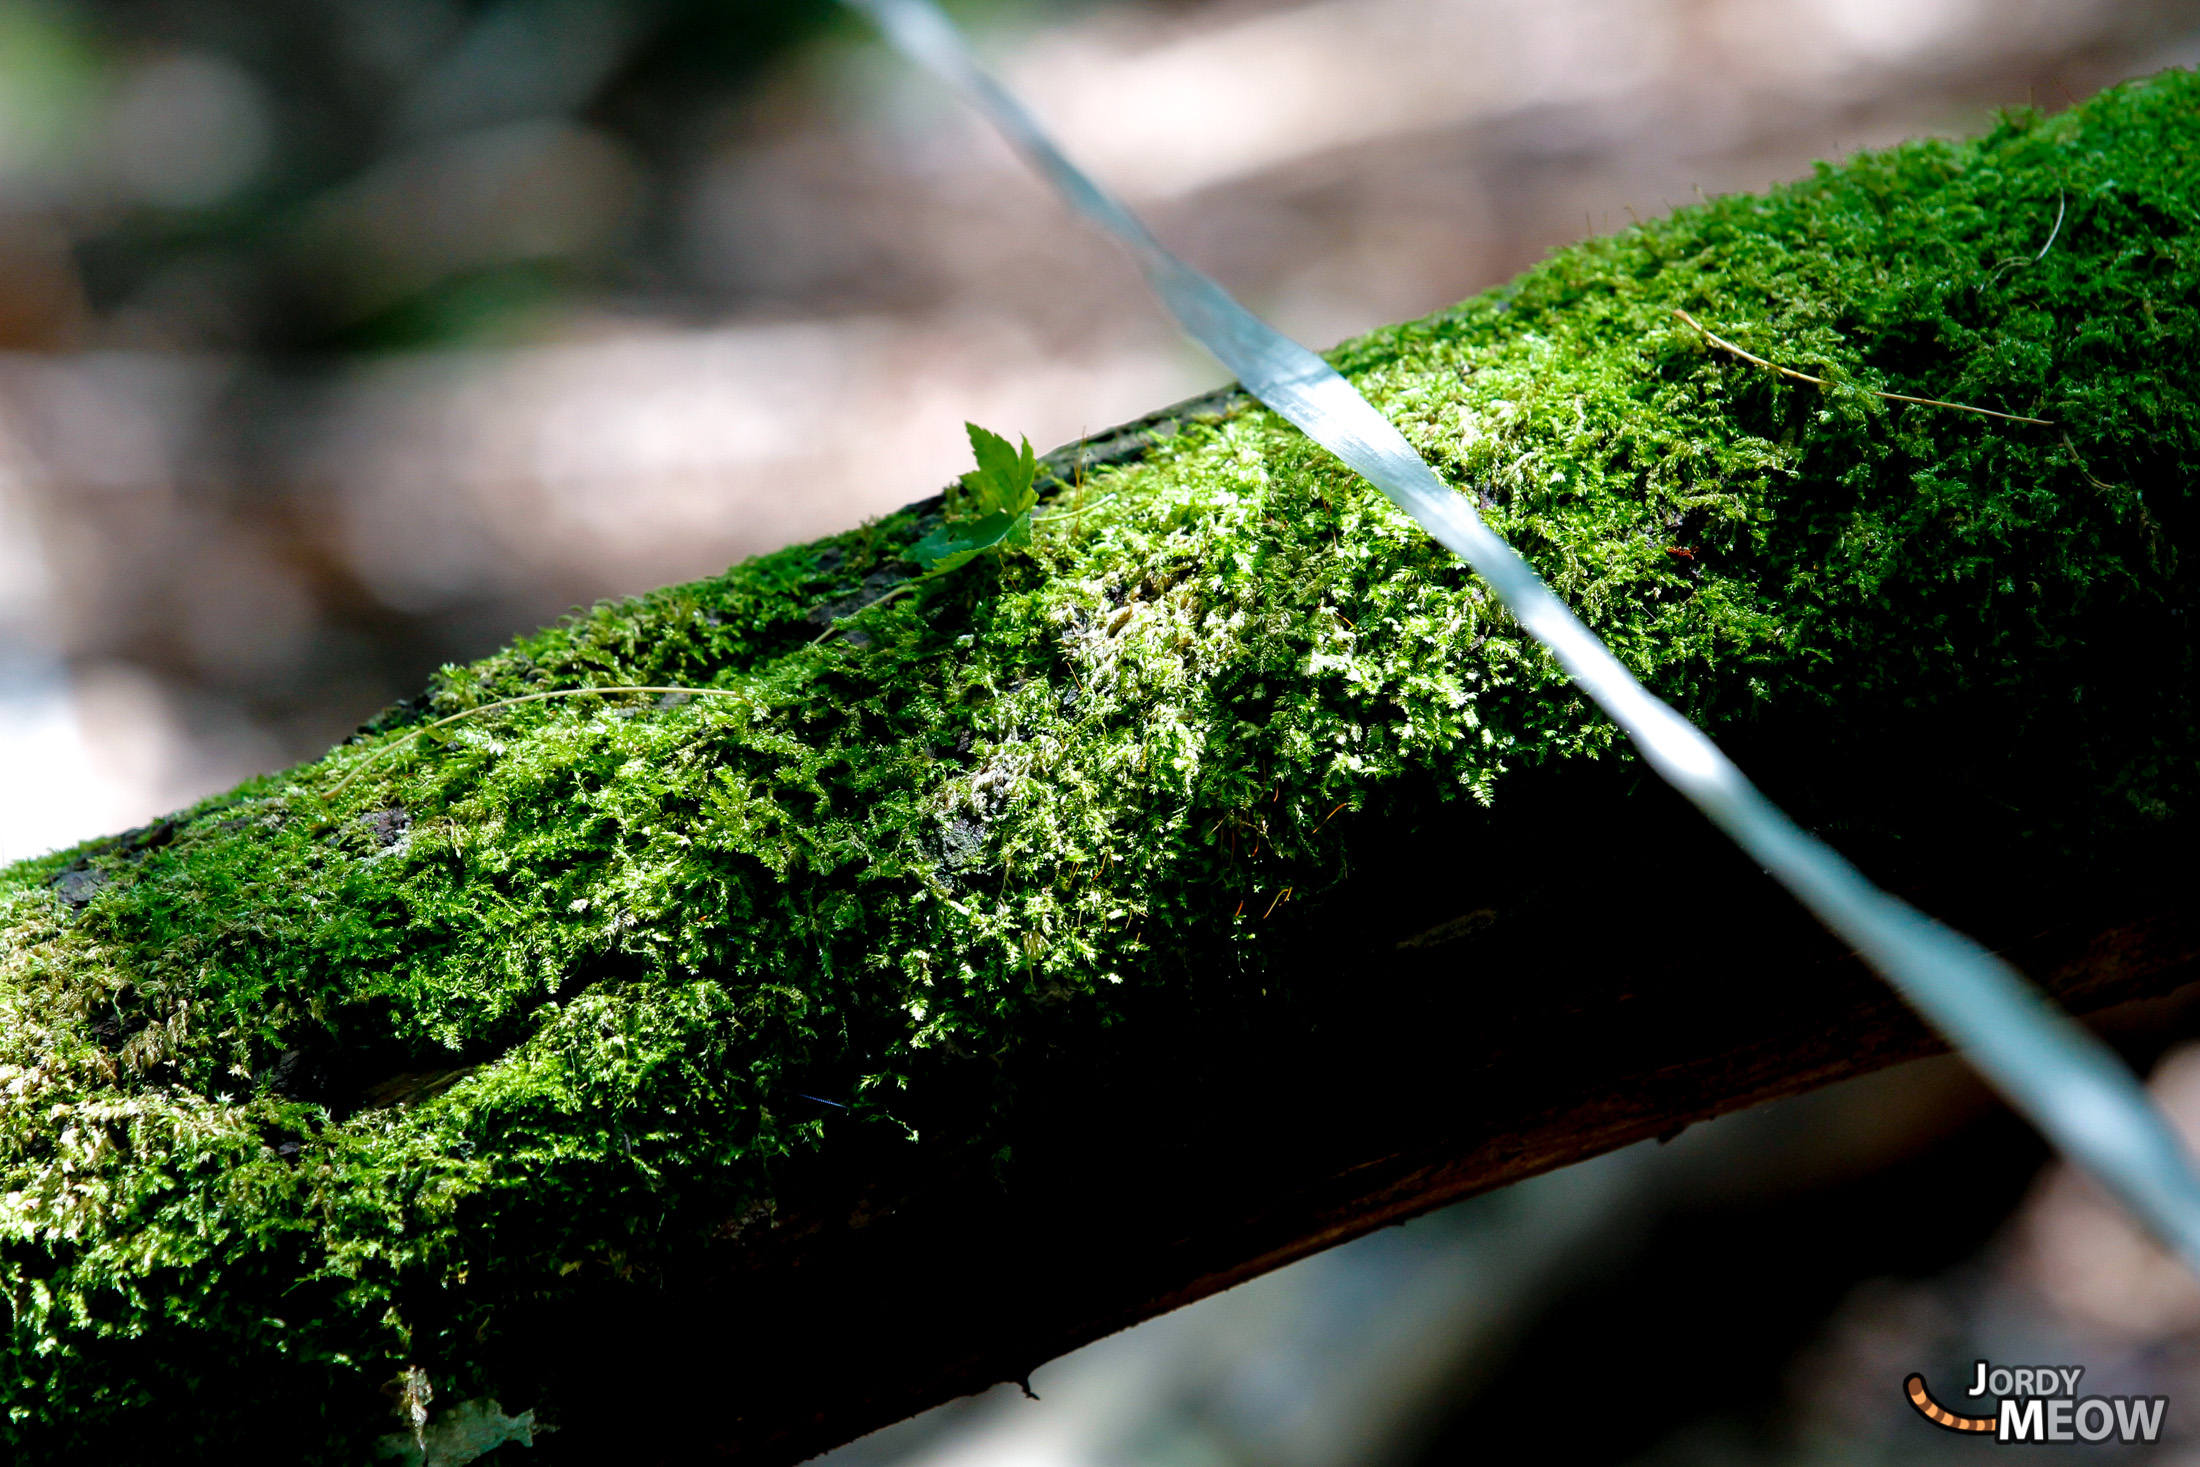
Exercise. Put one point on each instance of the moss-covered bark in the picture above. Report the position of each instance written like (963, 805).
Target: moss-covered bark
(301, 1092)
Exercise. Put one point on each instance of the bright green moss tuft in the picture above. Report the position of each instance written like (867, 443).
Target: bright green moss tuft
(297, 1097)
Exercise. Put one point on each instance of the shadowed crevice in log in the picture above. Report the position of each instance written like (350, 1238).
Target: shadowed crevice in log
(1386, 1074)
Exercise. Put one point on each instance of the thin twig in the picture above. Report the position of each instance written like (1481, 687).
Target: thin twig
(362, 766)
(1070, 514)
(908, 585)
(2082, 469)
(2062, 202)
(1750, 356)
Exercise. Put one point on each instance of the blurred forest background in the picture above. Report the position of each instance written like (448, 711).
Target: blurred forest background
(343, 338)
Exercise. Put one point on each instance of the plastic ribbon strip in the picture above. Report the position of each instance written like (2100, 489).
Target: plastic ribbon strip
(2070, 1084)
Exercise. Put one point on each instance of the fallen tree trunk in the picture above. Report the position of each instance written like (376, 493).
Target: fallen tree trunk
(1216, 878)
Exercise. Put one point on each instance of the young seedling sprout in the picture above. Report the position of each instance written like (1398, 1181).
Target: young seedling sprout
(991, 515)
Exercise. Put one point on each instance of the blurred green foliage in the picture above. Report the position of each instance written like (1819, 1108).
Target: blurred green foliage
(306, 175)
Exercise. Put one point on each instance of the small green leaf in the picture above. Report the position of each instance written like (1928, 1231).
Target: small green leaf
(993, 511)
(1002, 481)
(958, 542)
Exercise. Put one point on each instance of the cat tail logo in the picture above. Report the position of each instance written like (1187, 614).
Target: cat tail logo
(1940, 1415)
(2042, 1404)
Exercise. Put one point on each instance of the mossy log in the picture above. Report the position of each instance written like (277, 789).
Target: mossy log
(1217, 878)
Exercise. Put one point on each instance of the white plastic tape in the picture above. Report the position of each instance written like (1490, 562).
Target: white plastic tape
(2069, 1083)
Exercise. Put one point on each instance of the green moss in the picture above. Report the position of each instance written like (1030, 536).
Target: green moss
(610, 949)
